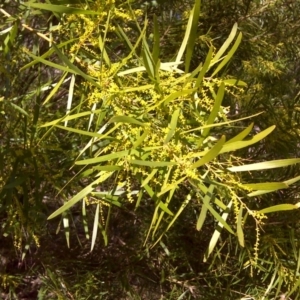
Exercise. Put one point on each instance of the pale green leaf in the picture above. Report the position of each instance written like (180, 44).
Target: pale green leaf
(62, 9)
(71, 117)
(140, 139)
(229, 55)
(102, 158)
(152, 164)
(241, 135)
(186, 37)
(220, 124)
(165, 208)
(217, 233)
(228, 147)
(173, 126)
(201, 218)
(126, 119)
(149, 177)
(214, 112)
(84, 221)
(226, 44)
(266, 186)
(95, 227)
(156, 41)
(211, 154)
(265, 165)
(88, 189)
(70, 97)
(235, 82)
(192, 35)
(204, 209)
(167, 187)
(66, 228)
(83, 132)
(74, 68)
(204, 68)
(239, 228)
(170, 224)
(279, 207)
(18, 108)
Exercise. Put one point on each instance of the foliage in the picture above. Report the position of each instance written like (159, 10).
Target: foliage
(148, 140)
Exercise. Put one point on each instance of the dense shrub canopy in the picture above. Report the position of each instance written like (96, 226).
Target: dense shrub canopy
(143, 134)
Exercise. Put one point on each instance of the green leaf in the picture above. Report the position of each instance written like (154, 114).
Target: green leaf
(241, 135)
(149, 177)
(66, 228)
(229, 55)
(71, 117)
(102, 158)
(266, 186)
(47, 54)
(292, 180)
(140, 139)
(70, 97)
(167, 187)
(220, 219)
(95, 227)
(266, 165)
(125, 119)
(242, 144)
(84, 221)
(182, 207)
(202, 217)
(217, 233)
(74, 200)
(204, 68)
(280, 207)
(204, 209)
(165, 208)
(173, 126)
(171, 97)
(74, 68)
(56, 88)
(156, 38)
(186, 37)
(18, 108)
(239, 229)
(148, 60)
(83, 132)
(220, 124)
(259, 192)
(192, 35)
(214, 112)
(235, 82)
(62, 9)
(211, 154)
(152, 164)
(226, 44)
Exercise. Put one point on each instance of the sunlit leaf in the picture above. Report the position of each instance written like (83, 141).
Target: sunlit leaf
(192, 35)
(95, 227)
(102, 158)
(152, 164)
(217, 233)
(266, 186)
(211, 154)
(126, 119)
(61, 9)
(239, 228)
(173, 126)
(242, 144)
(278, 208)
(265, 165)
